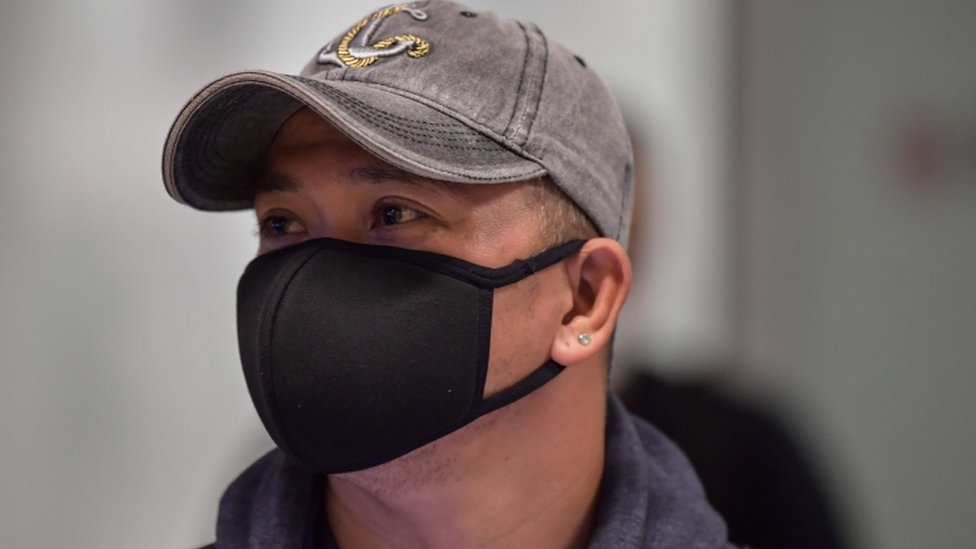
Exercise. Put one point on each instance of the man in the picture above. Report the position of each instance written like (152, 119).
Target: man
(443, 199)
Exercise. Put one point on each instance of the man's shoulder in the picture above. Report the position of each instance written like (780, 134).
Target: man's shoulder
(650, 496)
(268, 504)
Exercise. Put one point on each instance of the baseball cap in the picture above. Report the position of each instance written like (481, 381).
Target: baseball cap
(432, 87)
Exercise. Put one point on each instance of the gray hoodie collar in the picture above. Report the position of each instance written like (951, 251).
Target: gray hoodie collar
(650, 498)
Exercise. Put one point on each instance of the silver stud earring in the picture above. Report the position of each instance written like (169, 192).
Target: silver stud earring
(584, 339)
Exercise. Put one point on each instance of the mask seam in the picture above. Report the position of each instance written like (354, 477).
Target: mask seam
(264, 348)
(486, 303)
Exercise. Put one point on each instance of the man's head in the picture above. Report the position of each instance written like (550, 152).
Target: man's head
(433, 88)
(429, 127)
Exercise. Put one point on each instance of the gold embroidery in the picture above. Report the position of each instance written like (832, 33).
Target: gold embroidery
(418, 46)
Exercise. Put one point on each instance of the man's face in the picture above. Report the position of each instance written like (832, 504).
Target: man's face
(318, 183)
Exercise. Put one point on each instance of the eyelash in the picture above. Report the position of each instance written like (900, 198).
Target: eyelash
(265, 230)
(386, 216)
(385, 212)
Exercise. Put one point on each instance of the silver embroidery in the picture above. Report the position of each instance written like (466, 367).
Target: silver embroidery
(357, 48)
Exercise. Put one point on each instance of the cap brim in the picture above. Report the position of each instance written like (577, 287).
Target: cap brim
(215, 149)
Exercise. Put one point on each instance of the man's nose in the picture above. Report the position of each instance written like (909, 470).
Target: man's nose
(341, 228)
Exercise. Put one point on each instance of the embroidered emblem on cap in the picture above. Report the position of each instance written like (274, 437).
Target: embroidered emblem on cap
(355, 51)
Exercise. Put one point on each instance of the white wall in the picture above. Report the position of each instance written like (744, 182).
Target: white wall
(859, 299)
(122, 411)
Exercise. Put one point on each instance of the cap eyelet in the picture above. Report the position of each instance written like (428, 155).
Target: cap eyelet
(580, 60)
(469, 14)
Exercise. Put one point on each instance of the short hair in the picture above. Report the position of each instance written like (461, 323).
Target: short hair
(561, 220)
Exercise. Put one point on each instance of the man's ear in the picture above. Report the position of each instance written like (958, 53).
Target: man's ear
(600, 276)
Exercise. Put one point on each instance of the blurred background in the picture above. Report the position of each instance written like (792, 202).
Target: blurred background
(807, 248)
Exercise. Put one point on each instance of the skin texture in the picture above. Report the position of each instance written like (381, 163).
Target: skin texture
(526, 475)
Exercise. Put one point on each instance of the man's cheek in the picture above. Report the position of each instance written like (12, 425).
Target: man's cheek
(522, 328)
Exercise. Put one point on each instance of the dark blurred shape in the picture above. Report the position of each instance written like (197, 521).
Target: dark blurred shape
(753, 471)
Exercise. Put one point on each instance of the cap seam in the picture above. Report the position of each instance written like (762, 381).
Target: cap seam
(628, 189)
(518, 91)
(542, 86)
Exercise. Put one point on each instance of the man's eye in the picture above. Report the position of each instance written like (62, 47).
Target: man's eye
(395, 215)
(278, 225)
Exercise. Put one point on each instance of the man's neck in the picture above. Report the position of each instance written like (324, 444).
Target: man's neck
(472, 490)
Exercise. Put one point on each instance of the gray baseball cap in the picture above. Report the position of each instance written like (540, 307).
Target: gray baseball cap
(433, 88)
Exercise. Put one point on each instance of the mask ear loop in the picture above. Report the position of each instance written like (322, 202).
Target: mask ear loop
(520, 268)
(550, 369)
(539, 377)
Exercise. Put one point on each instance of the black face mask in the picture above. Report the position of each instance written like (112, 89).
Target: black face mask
(355, 355)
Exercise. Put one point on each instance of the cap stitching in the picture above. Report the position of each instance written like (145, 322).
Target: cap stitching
(460, 128)
(390, 121)
(459, 120)
(361, 108)
(395, 123)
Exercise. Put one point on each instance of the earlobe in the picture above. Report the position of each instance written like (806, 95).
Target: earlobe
(600, 275)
